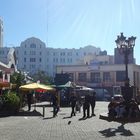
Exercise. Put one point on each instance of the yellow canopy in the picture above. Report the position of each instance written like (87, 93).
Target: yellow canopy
(34, 86)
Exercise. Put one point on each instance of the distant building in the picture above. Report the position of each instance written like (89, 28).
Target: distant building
(1, 33)
(33, 56)
(61, 79)
(102, 76)
(119, 58)
(5, 72)
(8, 57)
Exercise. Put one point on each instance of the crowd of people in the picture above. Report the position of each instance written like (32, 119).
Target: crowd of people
(88, 102)
(76, 103)
(120, 109)
(123, 109)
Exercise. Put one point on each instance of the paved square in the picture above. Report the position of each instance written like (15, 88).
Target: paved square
(35, 127)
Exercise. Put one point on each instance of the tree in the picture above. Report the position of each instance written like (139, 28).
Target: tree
(18, 79)
(42, 77)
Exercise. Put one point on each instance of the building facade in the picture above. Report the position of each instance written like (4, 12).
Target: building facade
(33, 55)
(119, 57)
(102, 76)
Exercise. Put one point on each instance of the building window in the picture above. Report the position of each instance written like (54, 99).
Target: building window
(71, 76)
(32, 60)
(25, 53)
(69, 53)
(32, 53)
(82, 77)
(120, 76)
(54, 54)
(106, 77)
(24, 59)
(24, 66)
(56, 59)
(33, 45)
(40, 59)
(95, 77)
(32, 66)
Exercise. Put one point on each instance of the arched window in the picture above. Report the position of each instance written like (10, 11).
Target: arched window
(33, 45)
(12, 66)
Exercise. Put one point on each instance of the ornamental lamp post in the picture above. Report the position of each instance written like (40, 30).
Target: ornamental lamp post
(125, 47)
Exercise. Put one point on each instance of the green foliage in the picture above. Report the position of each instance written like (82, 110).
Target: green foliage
(11, 102)
(18, 79)
(42, 77)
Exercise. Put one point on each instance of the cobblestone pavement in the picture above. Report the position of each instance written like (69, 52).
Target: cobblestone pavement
(36, 127)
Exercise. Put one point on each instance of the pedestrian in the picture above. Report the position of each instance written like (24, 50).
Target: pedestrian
(73, 100)
(86, 106)
(78, 103)
(55, 104)
(29, 100)
(93, 102)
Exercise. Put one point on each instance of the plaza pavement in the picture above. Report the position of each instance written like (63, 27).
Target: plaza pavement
(33, 126)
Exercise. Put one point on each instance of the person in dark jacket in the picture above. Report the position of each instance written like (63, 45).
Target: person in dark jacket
(29, 100)
(93, 102)
(55, 104)
(86, 106)
(73, 100)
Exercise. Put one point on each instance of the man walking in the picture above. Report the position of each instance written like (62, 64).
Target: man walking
(86, 106)
(73, 100)
(55, 104)
(93, 102)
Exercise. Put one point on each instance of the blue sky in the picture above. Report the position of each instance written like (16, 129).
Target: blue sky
(71, 23)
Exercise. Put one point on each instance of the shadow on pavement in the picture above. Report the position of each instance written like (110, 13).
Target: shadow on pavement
(48, 118)
(47, 105)
(67, 117)
(110, 132)
(29, 113)
(83, 118)
(20, 113)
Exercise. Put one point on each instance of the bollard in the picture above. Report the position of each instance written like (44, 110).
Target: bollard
(43, 111)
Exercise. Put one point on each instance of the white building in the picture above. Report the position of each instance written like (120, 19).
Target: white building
(33, 55)
(1, 33)
(8, 57)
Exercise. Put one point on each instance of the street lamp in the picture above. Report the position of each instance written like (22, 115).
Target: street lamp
(125, 47)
